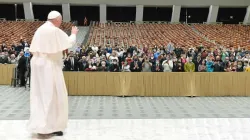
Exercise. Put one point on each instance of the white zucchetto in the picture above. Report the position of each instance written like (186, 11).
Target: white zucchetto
(53, 15)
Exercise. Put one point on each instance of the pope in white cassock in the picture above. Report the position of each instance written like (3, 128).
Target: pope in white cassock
(48, 93)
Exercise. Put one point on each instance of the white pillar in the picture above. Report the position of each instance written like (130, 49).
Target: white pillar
(247, 16)
(28, 11)
(103, 13)
(139, 13)
(66, 12)
(213, 13)
(176, 13)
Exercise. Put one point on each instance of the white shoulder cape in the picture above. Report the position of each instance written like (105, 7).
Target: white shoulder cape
(50, 39)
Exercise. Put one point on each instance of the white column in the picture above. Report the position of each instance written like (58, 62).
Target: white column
(213, 13)
(103, 13)
(247, 16)
(66, 12)
(176, 13)
(139, 13)
(28, 11)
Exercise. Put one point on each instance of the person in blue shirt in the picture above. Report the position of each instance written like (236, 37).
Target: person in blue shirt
(27, 53)
(157, 54)
(109, 50)
(210, 65)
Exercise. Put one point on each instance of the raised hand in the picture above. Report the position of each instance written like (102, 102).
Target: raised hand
(74, 30)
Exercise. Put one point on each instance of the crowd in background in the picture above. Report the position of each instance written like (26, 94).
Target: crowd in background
(170, 58)
(17, 53)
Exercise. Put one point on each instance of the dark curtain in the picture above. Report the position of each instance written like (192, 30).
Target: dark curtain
(121, 14)
(195, 15)
(7, 11)
(20, 11)
(78, 13)
(231, 15)
(157, 14)
(41, 11)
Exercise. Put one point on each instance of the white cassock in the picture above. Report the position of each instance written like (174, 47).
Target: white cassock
(48, 93)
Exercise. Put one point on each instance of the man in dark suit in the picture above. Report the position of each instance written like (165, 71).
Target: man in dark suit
(3, 46)
(130, 50)
(218, 65)
(24, 42)
(71, 63)
(114, 67)
(19, 48)
(136, 65)
(157, 67)
(22, 67)
(3, 58)
(83, 64)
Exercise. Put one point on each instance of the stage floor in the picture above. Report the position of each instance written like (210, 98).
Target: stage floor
(134, 118)
(138, 129)
(14, 105)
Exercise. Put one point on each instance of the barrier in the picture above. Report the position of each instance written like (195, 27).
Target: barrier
(158, 84)
(6, 73)
(213, 23)
(126, 84)
(149, 83)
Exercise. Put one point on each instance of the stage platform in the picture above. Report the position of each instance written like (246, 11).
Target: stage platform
(138, 129)
(14, 105)
(134, 118)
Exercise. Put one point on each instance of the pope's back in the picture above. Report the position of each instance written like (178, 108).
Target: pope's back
(48, 93)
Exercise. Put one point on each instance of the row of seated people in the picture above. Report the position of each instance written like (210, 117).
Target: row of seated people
(127, 34)
(10, 31)
(227, 34)
(178, 59)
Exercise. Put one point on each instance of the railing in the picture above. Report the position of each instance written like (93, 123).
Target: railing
(175, 22)
(109, 21)
(242, 23)
(20, 20)
(165, 22)
(74, 22)
(87, 35)
(212, 22)
(2, 19)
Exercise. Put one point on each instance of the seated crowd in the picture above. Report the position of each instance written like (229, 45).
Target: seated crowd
(128, 47)
(12, 54)
(162, 48)
(17, 53)
(170, 58)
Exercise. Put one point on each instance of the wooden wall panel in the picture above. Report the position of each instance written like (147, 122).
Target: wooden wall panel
(149, 83)
(6, 74)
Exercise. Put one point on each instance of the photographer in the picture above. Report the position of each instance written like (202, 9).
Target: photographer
(71, 63)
